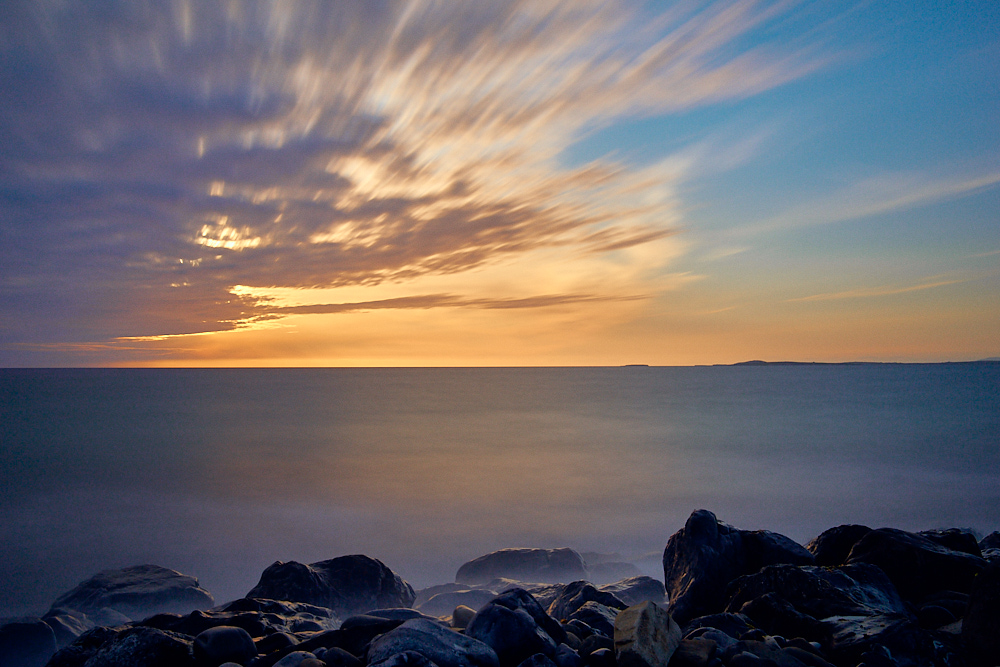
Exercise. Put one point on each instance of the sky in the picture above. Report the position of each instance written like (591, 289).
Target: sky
(494, 183)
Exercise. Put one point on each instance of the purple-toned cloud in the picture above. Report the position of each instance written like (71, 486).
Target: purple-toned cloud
(153, 155)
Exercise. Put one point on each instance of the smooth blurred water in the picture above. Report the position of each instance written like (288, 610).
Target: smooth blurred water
(218, 473)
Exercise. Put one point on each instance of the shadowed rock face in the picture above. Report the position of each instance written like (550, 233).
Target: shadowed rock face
(348, 585)
(833, 546)
(702, 559)
(535, 565)
(917, 564)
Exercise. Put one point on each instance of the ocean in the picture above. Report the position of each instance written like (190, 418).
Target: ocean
(218, 473)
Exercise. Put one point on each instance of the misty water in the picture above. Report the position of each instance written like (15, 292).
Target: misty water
(218, 473)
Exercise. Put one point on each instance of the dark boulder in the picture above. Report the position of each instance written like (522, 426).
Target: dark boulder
(518, 598)
(917, 565)
(434, 641)
(511, 633)
(223, 643)
(706, 554)
(137, 592)
(538, 660)
(634, 590)
(909, 645)
(833, 546)
(348, 584)
(535, 565)
(578, 593)
(991, 541)
(26, 642)
(598, 616)
(981, 627)
(851, 590)
(954, 539)
(144, 647)
(254, 623)
(733, 625)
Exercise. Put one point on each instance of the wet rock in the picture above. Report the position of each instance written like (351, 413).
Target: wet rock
(566, 656)
(702, 558)
(136, 592)
(144, 647)
(833, 546)
(254, 623)
(776, 616)
(276, 642)
(545, 595)
(442, 646)
(511, 633)
(443, 603)
(634, 590)
(595, 642)
(536, 565)
(348, 584)
(697, 652)
(645, 636)
(224, 643)
(26, 642)
(405, 659)
(578, 593)
(917, 565)
(981, 627)
(602, 657)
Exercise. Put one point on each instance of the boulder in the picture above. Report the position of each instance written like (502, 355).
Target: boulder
(518, 598)
(634, 590)
(981, 627)
(702, 558)
(851, 590)
(732, 625)
(136, 592)
(833, 546)
(916, 564)
(26, 642)
(991, 541)
(535, 565)
(461, 616)
(955, 539)
(67, 624)
(223, 643)
(645, 636)
(851, 637)
(578, 593)
(598, 616)
(295, 659)
(254, 623)
(348, 584)
(338, 657)
(144, 647)
(511, 633)
(538, 660)
(444, 647)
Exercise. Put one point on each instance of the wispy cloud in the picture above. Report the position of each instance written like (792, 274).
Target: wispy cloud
(879, 291)
(156, 154)
(877, 195)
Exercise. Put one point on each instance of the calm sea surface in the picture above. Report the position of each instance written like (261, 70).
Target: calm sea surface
(218, 473)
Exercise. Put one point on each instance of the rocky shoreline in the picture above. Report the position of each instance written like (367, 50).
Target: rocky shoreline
(729, 597)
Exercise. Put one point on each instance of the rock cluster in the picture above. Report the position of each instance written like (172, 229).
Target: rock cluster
(734, 598)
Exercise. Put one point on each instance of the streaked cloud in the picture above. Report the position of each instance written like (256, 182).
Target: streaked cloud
(157, 154)
(879, 291)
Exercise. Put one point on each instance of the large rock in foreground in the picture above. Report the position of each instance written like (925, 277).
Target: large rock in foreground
(435, 642)
(348, 585)
(136, 592)
(645, 636)
(703, 557)
(536, 565)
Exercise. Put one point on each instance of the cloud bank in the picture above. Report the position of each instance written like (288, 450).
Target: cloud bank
(155, 155)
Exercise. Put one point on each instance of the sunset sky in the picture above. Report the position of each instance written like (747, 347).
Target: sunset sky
(420, 183)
